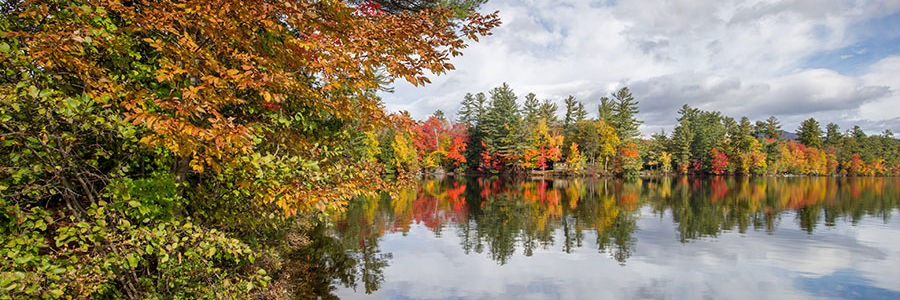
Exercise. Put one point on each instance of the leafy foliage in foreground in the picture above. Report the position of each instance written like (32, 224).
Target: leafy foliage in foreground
(163, 149)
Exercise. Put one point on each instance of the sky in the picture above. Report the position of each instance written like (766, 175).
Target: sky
(834, 60)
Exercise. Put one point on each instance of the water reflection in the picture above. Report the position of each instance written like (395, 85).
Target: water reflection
(499, 218)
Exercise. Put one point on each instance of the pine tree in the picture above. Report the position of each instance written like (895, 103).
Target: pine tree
(682, 139)
(574, 111)
(745, 135)
(472, 108)
(605, 109)
(759, 129)
(810, 134)
(624, 110)
(503, 122)
(832, 135)
(580, 113)
(547, 111)
(773, 128)
(703, 131)
(531, 109)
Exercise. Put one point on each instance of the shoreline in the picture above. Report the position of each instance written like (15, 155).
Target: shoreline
(561, 174)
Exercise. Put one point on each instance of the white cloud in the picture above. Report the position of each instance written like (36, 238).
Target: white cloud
(740, 57)
(883, 72)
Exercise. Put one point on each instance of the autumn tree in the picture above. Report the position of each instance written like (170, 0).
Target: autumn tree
(152, 122)
(545, 146)
(459, 8)
(574, 160)
(608, 141)
(628, 160)
(718, 161)
(665, 162)
(439, 143)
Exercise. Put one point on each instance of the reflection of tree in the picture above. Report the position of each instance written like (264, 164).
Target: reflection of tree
(370, 264)
(358, 234)
(705, 207)
(498, 217)
(617, 239)
(527, 215)
(315, 267)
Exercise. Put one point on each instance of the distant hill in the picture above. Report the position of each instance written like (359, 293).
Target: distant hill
(790, 136)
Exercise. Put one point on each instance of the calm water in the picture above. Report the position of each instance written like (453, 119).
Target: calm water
(673, 238)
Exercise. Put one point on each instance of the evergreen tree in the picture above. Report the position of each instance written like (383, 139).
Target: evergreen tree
(503, 123)
(547, 111)
(832, 135)
(865, 145)
(773, 128)
(472, 108)
(809, 133)
(605, 110)
(744, 138)
(474, 113)
(624, 110)
(574, 111)
(439, 114)
(682, 139)
(531, 109)
(759, 129)
(659, 142)
(585, 134)
(698, 131)
(580, 113)
(858, 133)
(731, 127)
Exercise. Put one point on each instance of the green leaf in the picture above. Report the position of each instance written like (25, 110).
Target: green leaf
(133, 203)
(4, 47)
(33, 91)
(56, 293)
(132, 260)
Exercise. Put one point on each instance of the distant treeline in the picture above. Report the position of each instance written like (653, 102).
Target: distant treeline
(494, 134)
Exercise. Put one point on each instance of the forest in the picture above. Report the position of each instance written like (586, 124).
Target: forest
(186, 149)
(493, 134)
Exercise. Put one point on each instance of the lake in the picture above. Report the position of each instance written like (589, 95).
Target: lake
(651, 238)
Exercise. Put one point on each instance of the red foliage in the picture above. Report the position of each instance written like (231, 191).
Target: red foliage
(718, 161)
(437, 135)
(856, 165)
(428, 134)
(369, 8)
(696, 166)
(718, 189)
